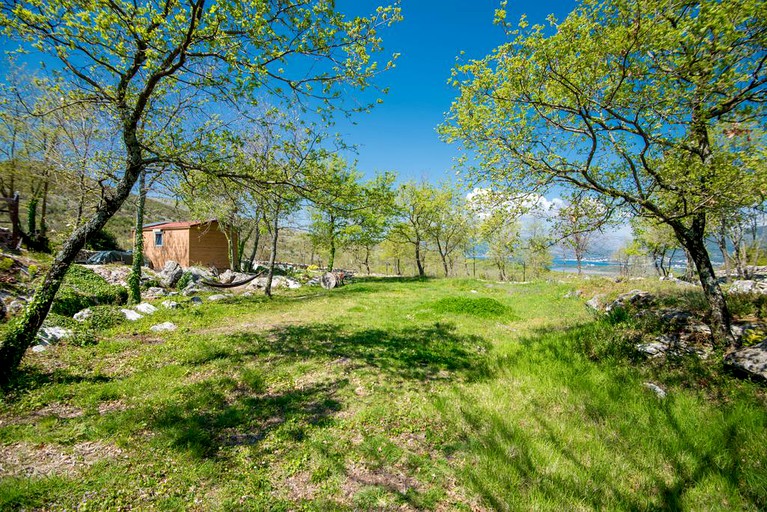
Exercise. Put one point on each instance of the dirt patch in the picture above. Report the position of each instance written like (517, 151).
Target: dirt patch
(112, 406)
(29, 460)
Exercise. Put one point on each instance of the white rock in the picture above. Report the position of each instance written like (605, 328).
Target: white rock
(145, 308)
(131, 315)
(219, 296)
(165, 326)
(655, 389)
(51, 335)
(751, 360)
(83, 315)
(39, 348)
(170, 304)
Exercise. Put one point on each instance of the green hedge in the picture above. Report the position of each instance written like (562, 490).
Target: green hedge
(83, 288)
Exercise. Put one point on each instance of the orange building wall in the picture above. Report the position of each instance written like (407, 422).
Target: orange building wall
(208, 246)
(175, 247)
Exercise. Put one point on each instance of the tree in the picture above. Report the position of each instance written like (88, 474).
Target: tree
(658, 242)
(151, 66)
(449, 223)
(415, 203)
(500, 231)
(576, 223)
(624, 99)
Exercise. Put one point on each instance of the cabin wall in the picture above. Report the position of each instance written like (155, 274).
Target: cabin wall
(208, 247)
(175, 247)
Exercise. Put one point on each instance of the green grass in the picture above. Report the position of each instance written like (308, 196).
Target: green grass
(381, 395)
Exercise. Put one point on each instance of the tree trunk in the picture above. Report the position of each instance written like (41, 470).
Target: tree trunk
(272, 256)
(367, 259)
(22, 333)
(693, 242)
(418, 262)
(332, 255)
(44, 209)
(134, 279)
(32, 217)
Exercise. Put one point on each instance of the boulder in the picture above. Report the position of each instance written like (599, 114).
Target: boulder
(750, 360)
(16, 306)
(196, 301)
(655, 389)
(165, 326)
(595, 303)
(83, 315)
(131, 315)
(170, 304)
(634, 298)
(52, 335)
(749, 286)
(155, 292)
(227, 277)
(170, 274)
(145, 308)
(220, 296)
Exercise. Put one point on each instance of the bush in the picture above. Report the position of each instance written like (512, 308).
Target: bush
(103, 241)
(83, 288)
(184, 280)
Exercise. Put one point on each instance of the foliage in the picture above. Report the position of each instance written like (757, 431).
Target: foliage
(184, 280)
(83, 288)
(649, 105)
(103, 240)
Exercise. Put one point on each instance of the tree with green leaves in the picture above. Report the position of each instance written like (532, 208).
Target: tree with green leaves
(500, 230)
(449, 225)
(157, 68)
(416, 212)
(576, 223)
(630, 100)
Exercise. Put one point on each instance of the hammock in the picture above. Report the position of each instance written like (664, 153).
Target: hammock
(216, 284)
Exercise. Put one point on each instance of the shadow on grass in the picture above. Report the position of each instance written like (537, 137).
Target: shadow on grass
(30, 378)
(207, 418)
(419, 353)
(204, 417)
(590, 435)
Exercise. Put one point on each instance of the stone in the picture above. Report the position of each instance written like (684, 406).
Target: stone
(191, 290)
(154, 292)
(749, 286)
(52, 335)
(749, 360)
(655, 389)
(83, 315)
(170, 304)
(16, 306)
(39, 348)
(165, 326)
(170, 274)
(675, 316)
(145, 308)
(227, 277)
(220, 296)
(474, 291)
(131, 315)
(634, 298)
(595, 303)
(196, 301)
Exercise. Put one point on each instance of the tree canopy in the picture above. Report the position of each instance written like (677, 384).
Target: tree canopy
(652, 104)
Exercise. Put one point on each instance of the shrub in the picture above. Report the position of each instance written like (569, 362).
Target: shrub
(84, 288)
(103, 241)
(184, 280)
(6, 264)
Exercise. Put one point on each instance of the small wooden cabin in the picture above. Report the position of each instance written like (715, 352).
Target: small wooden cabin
(188, 243)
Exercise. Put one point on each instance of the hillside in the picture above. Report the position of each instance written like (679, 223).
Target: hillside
(63, 202)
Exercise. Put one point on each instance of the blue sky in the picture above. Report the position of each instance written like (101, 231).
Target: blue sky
(400, 134)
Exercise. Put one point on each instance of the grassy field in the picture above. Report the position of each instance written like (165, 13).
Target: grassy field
(382, 395)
